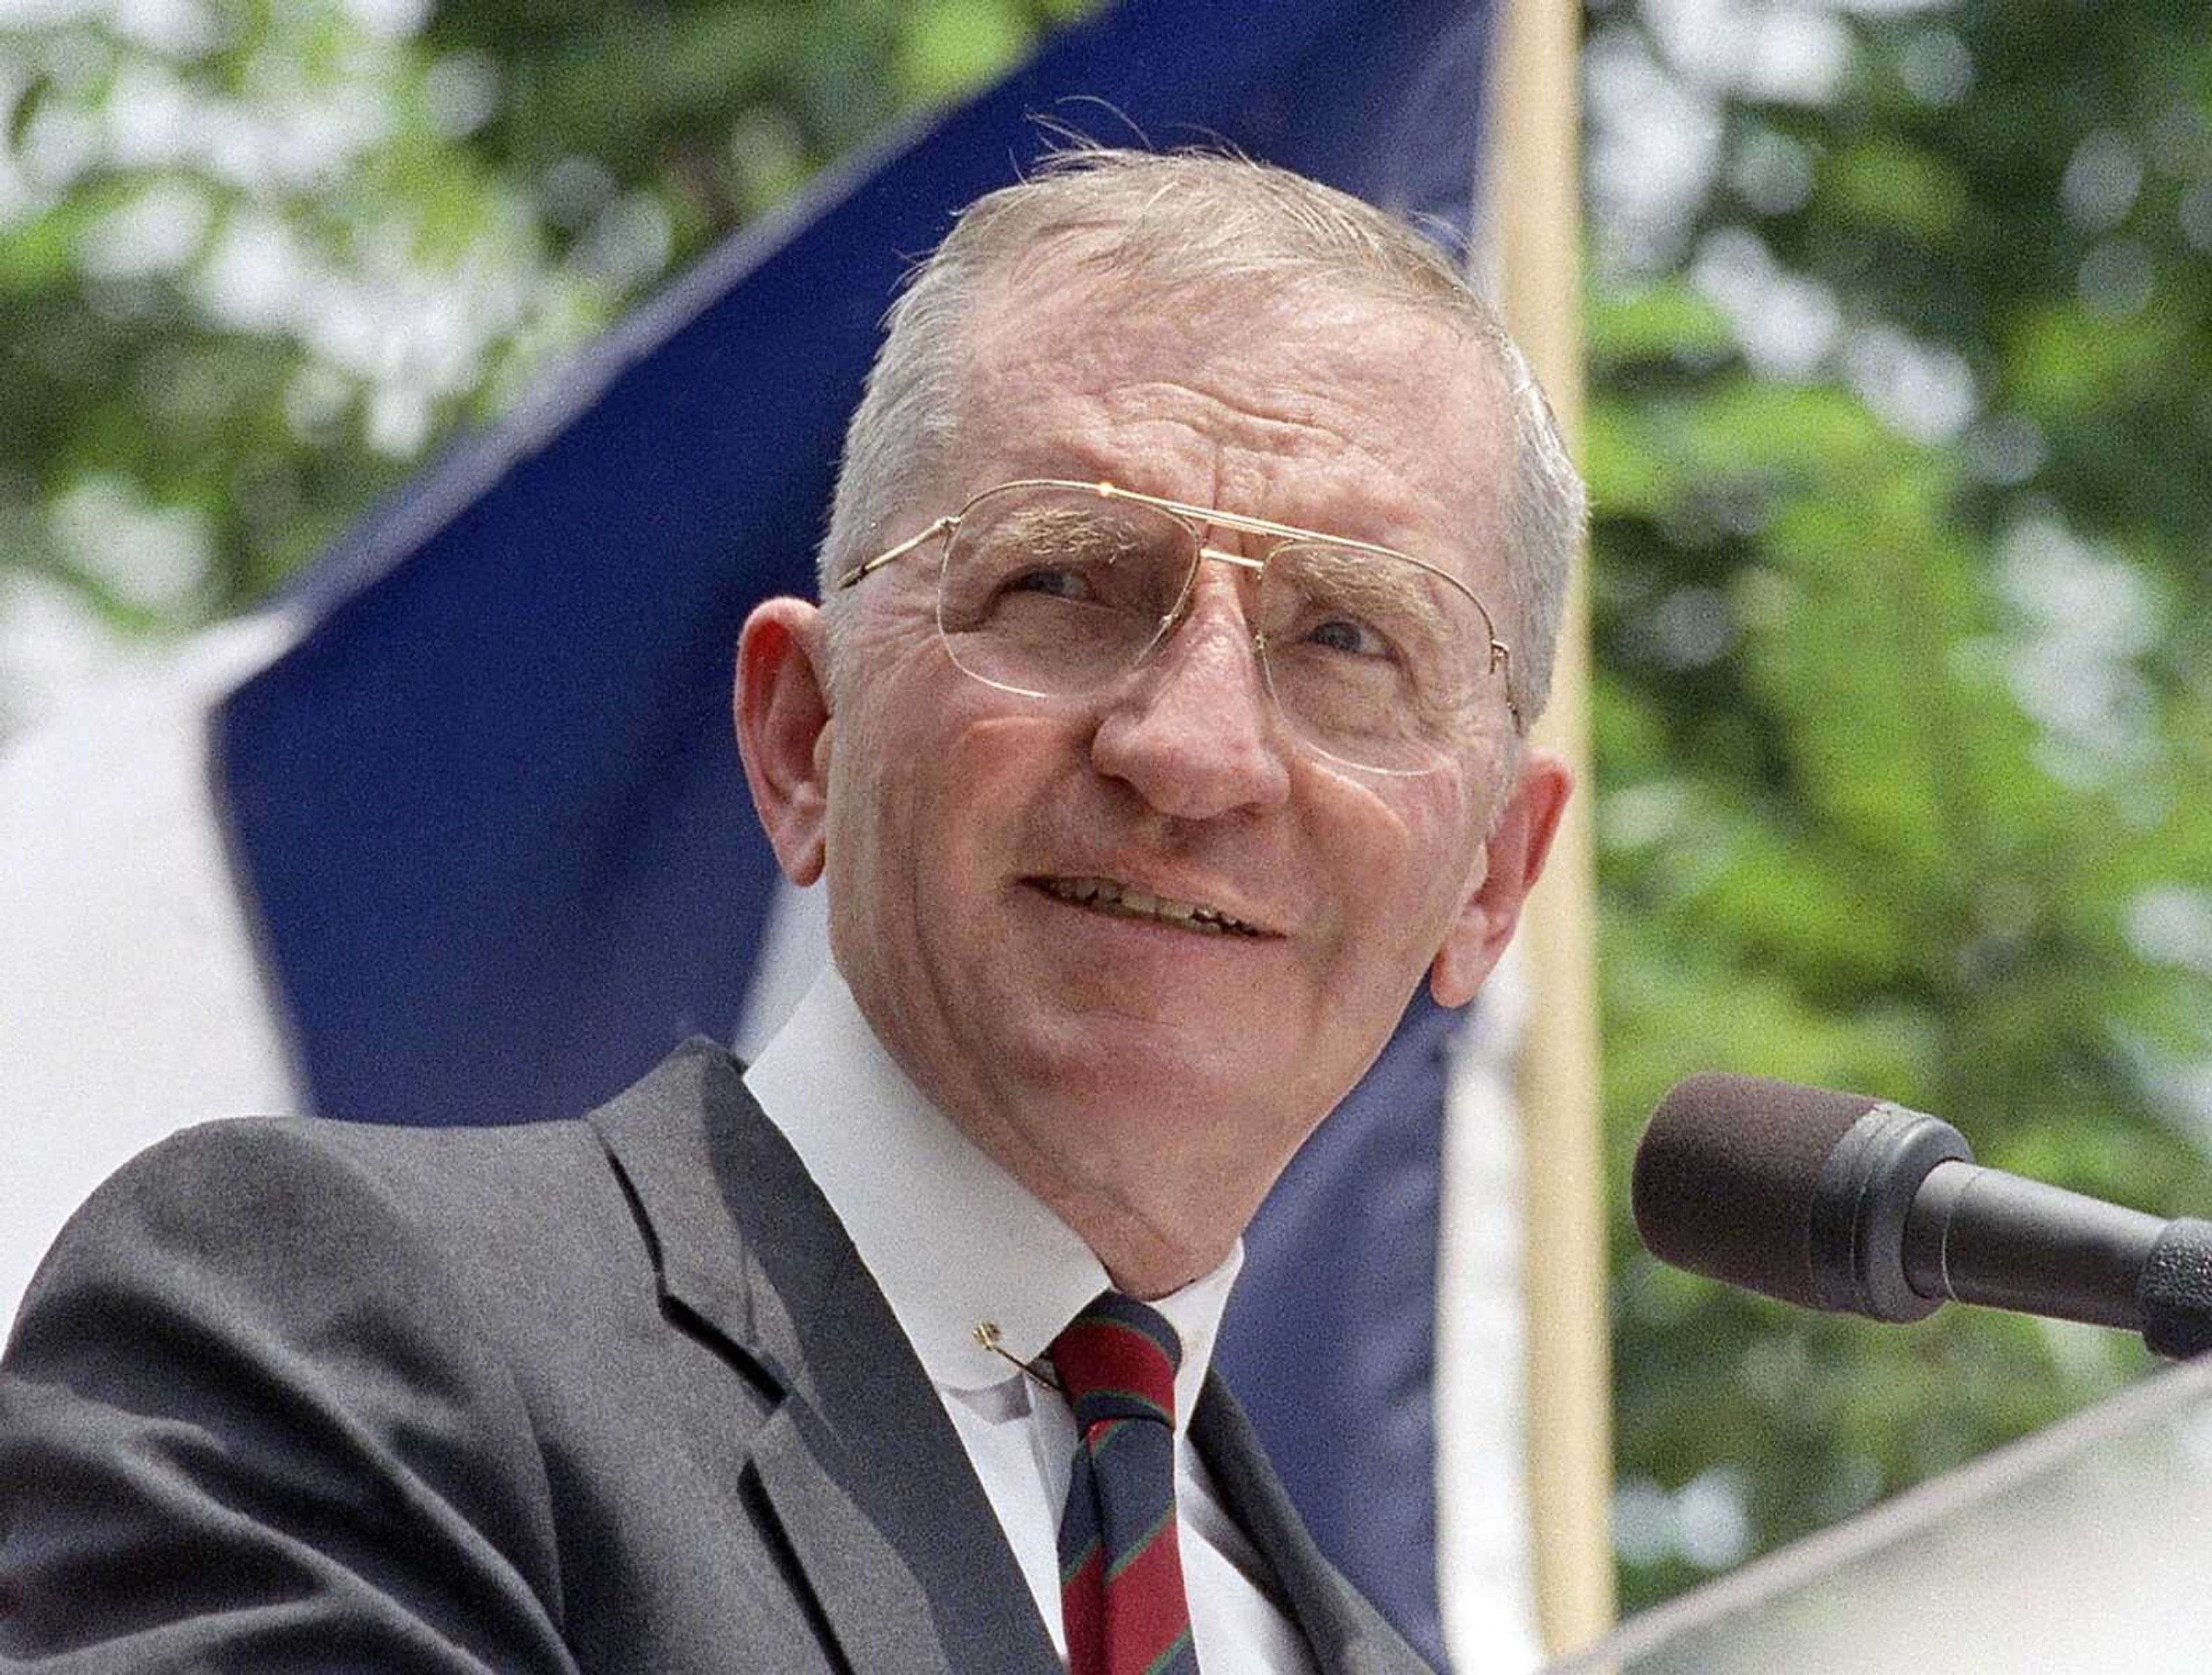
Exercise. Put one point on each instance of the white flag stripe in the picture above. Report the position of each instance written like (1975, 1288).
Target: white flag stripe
(132, 1002)
(1486, 1580)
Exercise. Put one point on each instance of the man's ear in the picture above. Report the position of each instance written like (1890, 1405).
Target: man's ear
(1513, 861)
(784, 726)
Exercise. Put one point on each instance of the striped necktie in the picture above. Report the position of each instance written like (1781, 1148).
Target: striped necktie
(1121, 1570)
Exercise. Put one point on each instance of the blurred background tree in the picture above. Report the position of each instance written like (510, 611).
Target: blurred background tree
(256, 257)
(1902, 399)
(1901, 422)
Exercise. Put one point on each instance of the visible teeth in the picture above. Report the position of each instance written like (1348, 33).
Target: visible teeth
(1129, 901)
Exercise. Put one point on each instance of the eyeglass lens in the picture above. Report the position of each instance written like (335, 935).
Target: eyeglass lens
(1057, 592)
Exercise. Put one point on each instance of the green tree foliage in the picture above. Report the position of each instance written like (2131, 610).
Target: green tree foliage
(1899, 443)
(258, 257)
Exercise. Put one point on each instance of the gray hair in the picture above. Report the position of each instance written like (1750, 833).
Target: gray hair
(1168, 222)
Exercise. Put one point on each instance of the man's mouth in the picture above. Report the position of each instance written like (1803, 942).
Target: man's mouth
(1127, 901)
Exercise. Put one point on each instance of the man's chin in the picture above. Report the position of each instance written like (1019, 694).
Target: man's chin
(1113, 1032)
(1135, 1071)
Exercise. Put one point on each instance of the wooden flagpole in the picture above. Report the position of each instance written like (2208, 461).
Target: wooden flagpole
(1535, 213)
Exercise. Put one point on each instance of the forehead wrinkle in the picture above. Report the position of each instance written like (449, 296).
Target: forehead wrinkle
(1238, 422)
(1241, 373)
(1255, 461)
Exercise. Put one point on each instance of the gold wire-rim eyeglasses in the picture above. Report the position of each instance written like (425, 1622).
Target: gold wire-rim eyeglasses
(1204, 517)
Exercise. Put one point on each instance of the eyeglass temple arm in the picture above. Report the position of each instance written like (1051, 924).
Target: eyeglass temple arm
(862, 571)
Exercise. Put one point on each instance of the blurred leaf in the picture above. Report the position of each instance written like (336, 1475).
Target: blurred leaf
(1885, 182)
(953, 47)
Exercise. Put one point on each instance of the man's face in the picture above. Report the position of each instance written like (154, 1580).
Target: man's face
(1130, 1068)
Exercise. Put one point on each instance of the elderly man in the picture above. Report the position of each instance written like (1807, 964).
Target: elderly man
(1193, 570)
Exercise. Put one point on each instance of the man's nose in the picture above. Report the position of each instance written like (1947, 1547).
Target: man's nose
(1192, 728)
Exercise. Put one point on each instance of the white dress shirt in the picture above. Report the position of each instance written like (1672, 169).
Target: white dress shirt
(954, 1241)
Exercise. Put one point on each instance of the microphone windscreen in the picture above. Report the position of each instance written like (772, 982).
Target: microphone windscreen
(1724, 1178)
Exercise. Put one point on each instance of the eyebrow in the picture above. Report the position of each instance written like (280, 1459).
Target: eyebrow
(1069, 529)
(1364, 578)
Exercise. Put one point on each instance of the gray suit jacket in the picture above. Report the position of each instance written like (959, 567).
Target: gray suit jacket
(613, 1394)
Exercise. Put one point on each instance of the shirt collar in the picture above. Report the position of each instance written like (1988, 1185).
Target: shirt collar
(950, 1238)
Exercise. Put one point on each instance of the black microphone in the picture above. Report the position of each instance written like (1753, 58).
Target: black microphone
(1836, 1201)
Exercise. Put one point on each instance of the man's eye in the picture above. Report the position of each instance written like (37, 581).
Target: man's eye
(1348, 635)
(1053, 582)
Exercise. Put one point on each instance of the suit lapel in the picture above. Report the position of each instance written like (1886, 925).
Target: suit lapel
(870, 1598)
(1348, 1637)
(858, 1461)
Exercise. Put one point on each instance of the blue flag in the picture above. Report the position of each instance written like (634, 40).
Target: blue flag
(488, 808)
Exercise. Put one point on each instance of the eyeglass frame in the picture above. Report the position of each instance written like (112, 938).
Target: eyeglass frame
(1195, 518)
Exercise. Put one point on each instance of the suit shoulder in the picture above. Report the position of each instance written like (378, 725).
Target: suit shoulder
(260, 1210)
(303, 1174)
(253, 1335)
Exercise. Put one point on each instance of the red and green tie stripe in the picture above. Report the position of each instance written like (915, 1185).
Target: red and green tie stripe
(1121, 1570)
